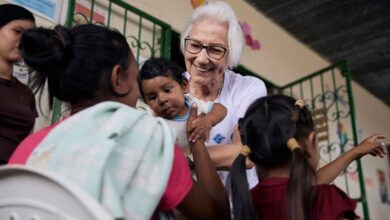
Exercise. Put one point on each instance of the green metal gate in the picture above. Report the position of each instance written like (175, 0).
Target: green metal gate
(329, 92)
(147, 35)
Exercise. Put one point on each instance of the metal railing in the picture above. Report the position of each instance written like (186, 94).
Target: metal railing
(329, 91)
(146, 35)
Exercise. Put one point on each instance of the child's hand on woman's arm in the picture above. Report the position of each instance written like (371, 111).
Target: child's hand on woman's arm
(200, 128)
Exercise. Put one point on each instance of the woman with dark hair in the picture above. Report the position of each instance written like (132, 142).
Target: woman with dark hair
(124, 158)
(278, 136)
(17, 103)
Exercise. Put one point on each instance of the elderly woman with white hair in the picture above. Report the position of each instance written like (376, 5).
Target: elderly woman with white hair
(212, 43)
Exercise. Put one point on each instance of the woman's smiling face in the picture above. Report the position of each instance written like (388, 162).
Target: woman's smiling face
(204, 69)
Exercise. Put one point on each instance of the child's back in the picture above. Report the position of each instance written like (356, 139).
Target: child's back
(278, 136)
(329, 202)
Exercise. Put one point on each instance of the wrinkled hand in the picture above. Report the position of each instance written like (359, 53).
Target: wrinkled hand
(201, 127)
(372, 145)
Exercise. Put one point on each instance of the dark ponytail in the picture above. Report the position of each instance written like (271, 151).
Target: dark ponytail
(299, 194)
(302, 175)
(266, 128)
(45, 50)
(77, 62)
(243, 208)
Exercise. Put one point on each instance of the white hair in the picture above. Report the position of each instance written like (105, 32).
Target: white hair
(221, 12)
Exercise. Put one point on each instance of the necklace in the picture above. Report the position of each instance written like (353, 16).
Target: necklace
(196, 94)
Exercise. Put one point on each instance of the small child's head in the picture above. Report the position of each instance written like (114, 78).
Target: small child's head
(269, 123)
(279, 132)
(163, 85)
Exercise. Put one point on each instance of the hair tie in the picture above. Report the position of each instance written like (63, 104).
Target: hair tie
(299, 103)
(292, 144)
(245, 150)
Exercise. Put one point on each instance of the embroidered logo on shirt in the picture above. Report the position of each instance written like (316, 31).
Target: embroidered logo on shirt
(218, 138)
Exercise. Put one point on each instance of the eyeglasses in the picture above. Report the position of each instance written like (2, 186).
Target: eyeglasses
(214, 51)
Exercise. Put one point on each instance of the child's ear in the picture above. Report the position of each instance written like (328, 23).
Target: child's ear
(310, 145)
(185, 85)
(119, 81)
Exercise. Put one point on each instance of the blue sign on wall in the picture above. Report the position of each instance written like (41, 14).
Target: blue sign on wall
(46, 8)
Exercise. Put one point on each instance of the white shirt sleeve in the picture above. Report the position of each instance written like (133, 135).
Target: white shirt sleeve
(204, 107)
(254, 89)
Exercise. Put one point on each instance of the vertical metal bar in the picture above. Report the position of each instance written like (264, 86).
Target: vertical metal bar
(162, 42)
(323, 90)
(92, 9)
(70, 13)
(125, 23)
(153, 39)
(109, 13)
(324, 106)
(166, 47)
(139, 37)
(312, 94)
(301, 89)
(342, 145)
(363, 197)
(57, 105)
(335, 96)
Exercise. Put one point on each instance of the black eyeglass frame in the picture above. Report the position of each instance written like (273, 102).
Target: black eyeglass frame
(205, 47)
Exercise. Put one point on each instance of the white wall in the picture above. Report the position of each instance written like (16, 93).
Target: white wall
(373, 116)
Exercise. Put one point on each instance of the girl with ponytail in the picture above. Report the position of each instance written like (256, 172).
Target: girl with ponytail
(277, 133)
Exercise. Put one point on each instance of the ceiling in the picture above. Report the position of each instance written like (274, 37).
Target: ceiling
(355, 30)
